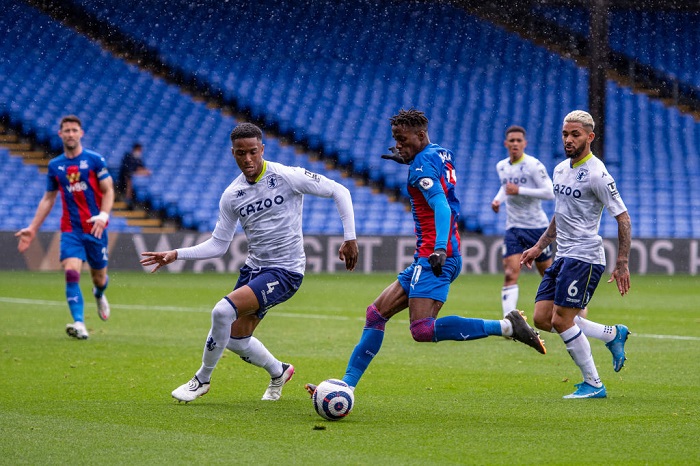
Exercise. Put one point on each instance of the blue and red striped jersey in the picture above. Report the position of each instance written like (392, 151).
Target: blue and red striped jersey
(78, 179)
(431, 167)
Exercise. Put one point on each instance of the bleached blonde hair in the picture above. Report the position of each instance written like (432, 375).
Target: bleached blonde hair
(579, 116)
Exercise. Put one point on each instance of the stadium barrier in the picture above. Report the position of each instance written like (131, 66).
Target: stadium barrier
(481, 254)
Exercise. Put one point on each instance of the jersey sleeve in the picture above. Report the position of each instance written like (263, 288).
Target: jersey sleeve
(101, 167)
(544, 189)
(605, 189)
(51, 181)
(305, 182)
(227, 221)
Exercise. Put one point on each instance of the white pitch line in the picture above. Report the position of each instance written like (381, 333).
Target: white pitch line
(141, 307)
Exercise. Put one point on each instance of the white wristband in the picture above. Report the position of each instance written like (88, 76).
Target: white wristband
(104, 216)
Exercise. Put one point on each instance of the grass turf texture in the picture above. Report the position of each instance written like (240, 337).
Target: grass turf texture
(107, 400)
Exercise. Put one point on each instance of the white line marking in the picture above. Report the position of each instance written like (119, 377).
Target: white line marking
(141, 307)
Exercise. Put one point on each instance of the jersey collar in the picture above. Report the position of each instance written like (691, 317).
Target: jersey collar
(582, 161)
(521, 159)
(262, 172)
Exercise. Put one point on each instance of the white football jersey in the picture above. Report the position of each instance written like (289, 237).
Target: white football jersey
(524, 210)
(581, 191)
(270, 213)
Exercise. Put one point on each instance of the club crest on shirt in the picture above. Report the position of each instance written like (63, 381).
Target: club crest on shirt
(240, 193)
(272, 181)
(83, 165)
(425, 183)
(582, 174)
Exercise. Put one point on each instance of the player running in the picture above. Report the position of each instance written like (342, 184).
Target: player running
(524, 185)
(424, 285)
(583, 187)
(87, 194)
(266, 199)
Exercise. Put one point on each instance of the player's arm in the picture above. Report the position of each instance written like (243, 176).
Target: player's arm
(621, 274)
(26, 235)
(443, 220)
(306, 182)
(215, 246)
(544, 189)
(545, 240)
(99, 221)
(498, 199)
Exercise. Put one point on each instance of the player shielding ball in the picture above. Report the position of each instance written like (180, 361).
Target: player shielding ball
(582, 188)
(266, 199)
(424, 285)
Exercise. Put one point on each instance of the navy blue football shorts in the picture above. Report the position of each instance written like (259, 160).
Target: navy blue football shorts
(569, 282)
(271, 285)
(85, 247)
(517, 240)
(419, 281)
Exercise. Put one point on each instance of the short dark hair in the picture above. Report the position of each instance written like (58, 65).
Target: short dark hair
(71, 119)
(411, 118)
(516, 129)
(137, 145)
(246, 130)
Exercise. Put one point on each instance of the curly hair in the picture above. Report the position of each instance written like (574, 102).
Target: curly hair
(246, 130)
(410, 118)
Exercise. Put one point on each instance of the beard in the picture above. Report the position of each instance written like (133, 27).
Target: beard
(575, 152)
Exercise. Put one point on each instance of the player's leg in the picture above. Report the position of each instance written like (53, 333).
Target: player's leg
(428, 293)
(391, 301)
(510, 290)
(74, 297)
(576, 283)
(72, 257)
(273, 287)
(97, 258)
(512, 249)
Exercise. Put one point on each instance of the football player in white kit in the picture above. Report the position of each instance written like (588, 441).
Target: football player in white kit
(582, 188)
(266, 199)
(524, 185)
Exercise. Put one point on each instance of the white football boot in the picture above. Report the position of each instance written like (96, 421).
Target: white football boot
(191, 390)
(77, 330)
(274, 390)
(102, 306)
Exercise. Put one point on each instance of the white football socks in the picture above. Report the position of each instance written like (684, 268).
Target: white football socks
(251, 350)
(509, 298)
(222, 316)
(605, 333)
(580, 350)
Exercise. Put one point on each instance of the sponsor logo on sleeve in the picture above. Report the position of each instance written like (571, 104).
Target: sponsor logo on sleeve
(314, 176)
(613, 190)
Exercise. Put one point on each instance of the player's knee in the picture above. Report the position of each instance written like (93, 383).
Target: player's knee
(72, 276)
(224, 313)
(423, 330)
(239, 346)
(542, 321)
(373, 319)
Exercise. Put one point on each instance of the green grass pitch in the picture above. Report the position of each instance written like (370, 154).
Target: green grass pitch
(107, 400)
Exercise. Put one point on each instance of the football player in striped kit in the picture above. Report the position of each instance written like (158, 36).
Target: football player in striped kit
(87, 194)
(583, 187)
(266, 199)
(424, 285)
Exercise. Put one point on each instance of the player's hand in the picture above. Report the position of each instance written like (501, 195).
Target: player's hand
(99, 223)
(512, 189)
(26, 236)
(348, 252)
(159, 259)
(529, 256)
(394, 156)
(437, 260)
(621, 276)
(496, 206)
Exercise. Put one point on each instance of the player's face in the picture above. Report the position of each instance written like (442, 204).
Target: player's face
(515, 143)
(248, 153)
(577, 140)
(409, 141)
(70, 133)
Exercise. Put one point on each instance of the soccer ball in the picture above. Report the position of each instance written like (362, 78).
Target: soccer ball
(333, 399)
